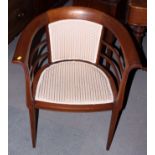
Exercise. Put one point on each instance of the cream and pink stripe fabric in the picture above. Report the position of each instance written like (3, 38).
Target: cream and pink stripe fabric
(74, 39)
(74, 82)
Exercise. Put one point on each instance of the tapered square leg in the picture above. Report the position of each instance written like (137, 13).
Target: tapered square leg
(113, 125)
(33, 113)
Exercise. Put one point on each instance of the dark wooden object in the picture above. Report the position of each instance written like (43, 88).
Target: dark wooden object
(41, 6)
(137, 17)
(108, 6)
(137, 22)
(124, 61)
(21, 12)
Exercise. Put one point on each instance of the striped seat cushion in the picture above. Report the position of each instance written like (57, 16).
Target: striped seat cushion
(74, 82)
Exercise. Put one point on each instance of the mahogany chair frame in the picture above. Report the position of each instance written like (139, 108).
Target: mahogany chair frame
(24, 53)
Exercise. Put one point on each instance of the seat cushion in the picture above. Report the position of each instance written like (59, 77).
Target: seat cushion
(74, 82)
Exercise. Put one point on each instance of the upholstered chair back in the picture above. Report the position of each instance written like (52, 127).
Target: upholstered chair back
(74, 39)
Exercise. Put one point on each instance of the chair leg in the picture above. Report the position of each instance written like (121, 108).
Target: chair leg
(33, 113)
(113, 125)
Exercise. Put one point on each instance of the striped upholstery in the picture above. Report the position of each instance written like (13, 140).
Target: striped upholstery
(74, 39)
(74, 82)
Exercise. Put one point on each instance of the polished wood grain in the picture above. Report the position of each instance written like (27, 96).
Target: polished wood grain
(137, 21)
(137, 17)
(137, 12)
(108, 6)
(127, 54)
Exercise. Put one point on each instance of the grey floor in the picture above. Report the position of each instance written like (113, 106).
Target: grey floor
(61, 133)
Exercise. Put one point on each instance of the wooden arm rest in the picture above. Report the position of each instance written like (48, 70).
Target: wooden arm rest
(21, 54)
